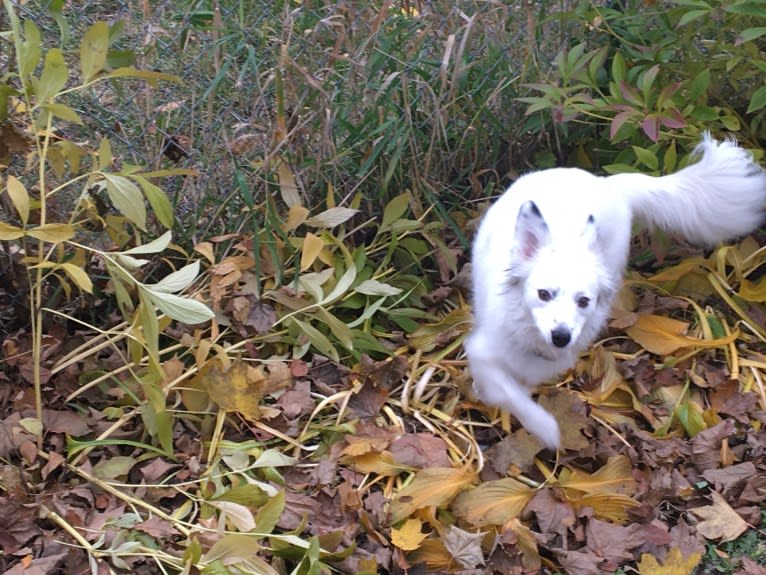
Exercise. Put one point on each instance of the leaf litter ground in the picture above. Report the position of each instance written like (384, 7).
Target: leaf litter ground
(389, 466)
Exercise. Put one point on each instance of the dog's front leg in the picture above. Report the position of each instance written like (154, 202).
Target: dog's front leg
(493, 385)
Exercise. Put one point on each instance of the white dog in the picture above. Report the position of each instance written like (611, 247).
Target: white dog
(549, 256)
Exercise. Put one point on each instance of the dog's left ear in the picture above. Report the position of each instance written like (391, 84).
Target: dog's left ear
(590, 233)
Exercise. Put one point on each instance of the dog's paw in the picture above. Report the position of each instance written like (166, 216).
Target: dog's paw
(545, 427)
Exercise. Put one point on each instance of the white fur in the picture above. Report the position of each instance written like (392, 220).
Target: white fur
(566, 232)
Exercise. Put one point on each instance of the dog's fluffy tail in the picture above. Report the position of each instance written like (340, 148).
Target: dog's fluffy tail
(720, 197)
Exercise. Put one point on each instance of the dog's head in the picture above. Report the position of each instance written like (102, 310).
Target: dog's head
(563, 282)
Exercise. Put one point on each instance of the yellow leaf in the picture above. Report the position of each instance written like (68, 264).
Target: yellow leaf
(9, 232)
(93, 50)
(52, 233)
(674, 563)
(296, 215)
(493, 502)
(20, 198)
(78, 276)
(614, 477)
(236, 388)
(312, 245)
(719, 520)
(753, 291)
(435, 486)
(409, 536)
(663, 335)
(378, 463)
(287, 185)
(608, 506)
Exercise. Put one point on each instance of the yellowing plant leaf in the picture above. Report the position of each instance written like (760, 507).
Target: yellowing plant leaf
(178, 280)
(608, 506)
(19, 197)
(614, 477)
(238, 388)
(127, 198)
(312, 245)
(63, 112)
(93, 50)
(78, 276)
(394, 210)
(287, 185)
(409, 536)
(674, 564)
(179, 308)
(54, 76)
(29, 56)
(52, 233)
(158, 200)
(9, 232)
(663, 335)
(719, 520)
(493, 502)
(435, 486)
(237, 515)
(331, 217)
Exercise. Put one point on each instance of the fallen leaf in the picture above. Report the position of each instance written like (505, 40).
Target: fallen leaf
(238, 388)
(663, 335)
(493, 502)
(719, 520)
(674, 564)
(464, 546)
(435, 486)
(409, 536)
(420, 450)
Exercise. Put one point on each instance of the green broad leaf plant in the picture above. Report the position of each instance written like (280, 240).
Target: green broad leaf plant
(54, 212)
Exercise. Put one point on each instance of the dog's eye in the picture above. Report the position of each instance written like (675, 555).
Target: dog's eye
(583, 302)
(544, 295)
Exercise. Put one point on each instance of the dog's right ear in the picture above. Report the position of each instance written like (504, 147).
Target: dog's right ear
(531, 230)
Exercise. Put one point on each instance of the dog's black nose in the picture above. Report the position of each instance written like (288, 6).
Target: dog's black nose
(561, 336)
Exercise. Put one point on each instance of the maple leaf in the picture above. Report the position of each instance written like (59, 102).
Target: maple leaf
(464, 546)
(719, 520)
(675, 564)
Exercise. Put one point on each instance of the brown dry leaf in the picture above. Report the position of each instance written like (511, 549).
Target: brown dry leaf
(675, 564)
(553, 515)
(238, 388)
(614, 542)
(435, 486)
(663, 335)
(527, 542)
(517, 449)
(287, 185)
(464, 546)
(571, 413)
(719, 520)
(420, 450)
(493, 502)
(409, 536)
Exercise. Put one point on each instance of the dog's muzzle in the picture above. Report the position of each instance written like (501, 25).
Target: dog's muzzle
(561, 336)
